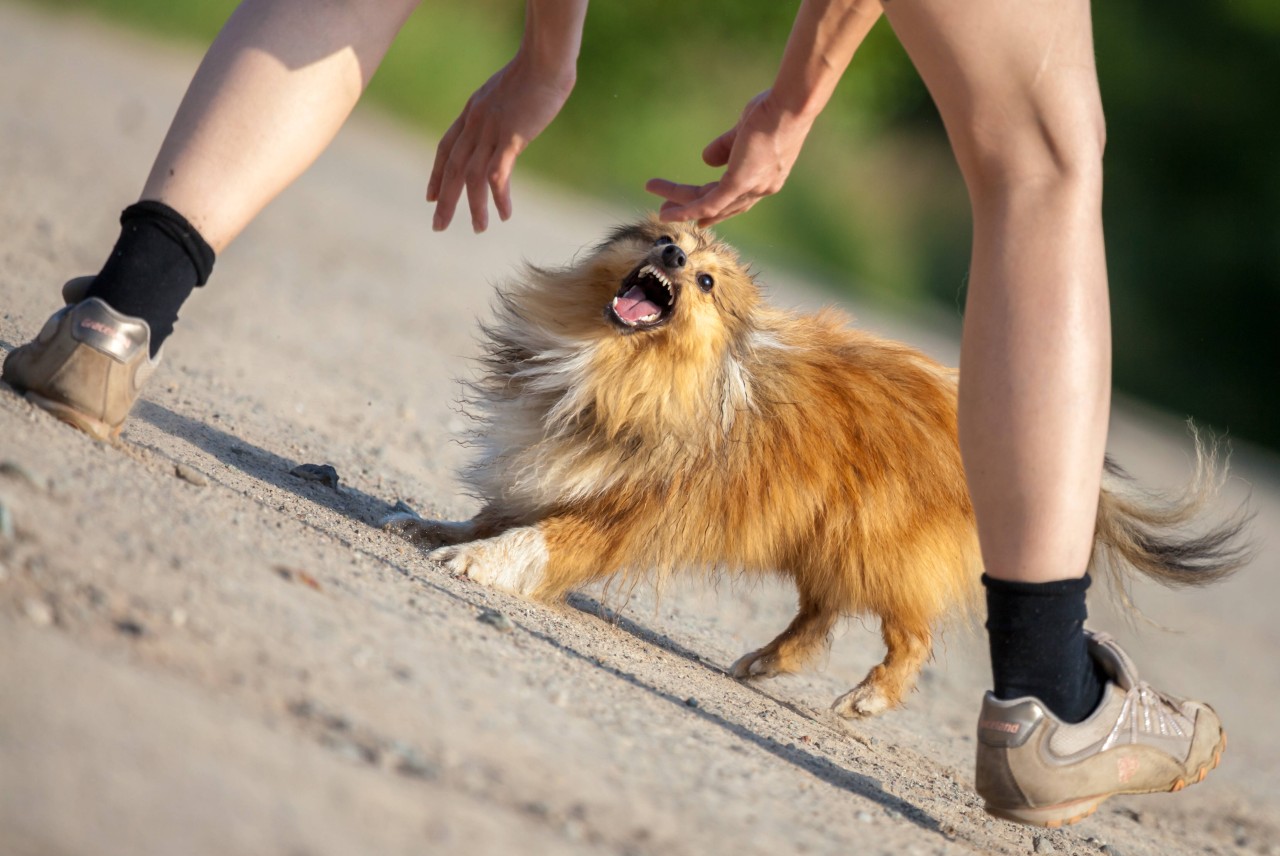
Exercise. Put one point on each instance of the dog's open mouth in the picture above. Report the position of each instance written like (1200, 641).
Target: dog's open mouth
(645, 300)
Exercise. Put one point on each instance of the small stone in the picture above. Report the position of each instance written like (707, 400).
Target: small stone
(297, 575)
(323, 473)
(190, 475)
(495, 619)
(6, 523)
(864, 817)
(412, 763)
(1111, 850)
(15, 470)
(352, 750)
(573, 830)
(691, 702)
(129, 627)
(1040, 844)
(38, 612)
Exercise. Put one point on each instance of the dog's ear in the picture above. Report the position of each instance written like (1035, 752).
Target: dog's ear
(630, 232)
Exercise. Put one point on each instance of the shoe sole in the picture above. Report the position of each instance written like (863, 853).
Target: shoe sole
(1065, 814)
(95, 428)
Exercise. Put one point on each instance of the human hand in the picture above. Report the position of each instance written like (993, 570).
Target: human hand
(480, 148)
(759, 152)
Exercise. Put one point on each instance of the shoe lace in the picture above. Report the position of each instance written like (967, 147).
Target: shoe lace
(1147, 710)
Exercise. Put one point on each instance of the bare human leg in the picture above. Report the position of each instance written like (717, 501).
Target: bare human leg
(270, 95)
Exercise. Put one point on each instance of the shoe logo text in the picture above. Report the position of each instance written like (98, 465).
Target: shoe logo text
(1126, 767)
(998, 725)
(99, 327)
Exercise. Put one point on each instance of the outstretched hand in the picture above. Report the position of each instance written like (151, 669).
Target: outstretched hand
(480, 148)
(758, 152)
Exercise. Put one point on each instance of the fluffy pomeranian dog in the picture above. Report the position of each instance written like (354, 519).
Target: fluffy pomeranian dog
(645, 412)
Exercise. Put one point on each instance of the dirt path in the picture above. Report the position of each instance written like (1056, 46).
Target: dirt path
(203, 654)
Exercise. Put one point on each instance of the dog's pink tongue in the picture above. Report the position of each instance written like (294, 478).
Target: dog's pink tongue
(633, 306)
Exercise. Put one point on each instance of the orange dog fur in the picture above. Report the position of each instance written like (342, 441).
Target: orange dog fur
(645, 411)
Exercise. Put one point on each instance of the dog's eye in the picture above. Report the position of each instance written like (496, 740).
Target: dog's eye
(665, 239)
(706, 281)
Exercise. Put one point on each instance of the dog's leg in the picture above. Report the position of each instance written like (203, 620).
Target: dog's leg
(431, 534)
(544, 560)
(886, 684)
(795, 647)
(428, 533)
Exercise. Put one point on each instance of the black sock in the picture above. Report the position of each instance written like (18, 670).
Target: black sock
(157, 262)
(1038, 646)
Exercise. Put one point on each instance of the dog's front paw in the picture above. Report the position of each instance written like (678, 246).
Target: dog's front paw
(514, 561)
(757, 664)
(425, 533)
(866, 699)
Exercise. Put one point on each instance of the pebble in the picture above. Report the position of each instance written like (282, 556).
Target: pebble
(495, 619)
(129, 627)
(691, 702)
(1040, 844)
(351, 750)
(191, 475)
(6, 523)
(1111, 850)
(864, 816)
(38, 612)
(323, 473)
(410, 762)
(15, 470)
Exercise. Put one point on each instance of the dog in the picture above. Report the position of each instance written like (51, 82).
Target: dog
(644, 411)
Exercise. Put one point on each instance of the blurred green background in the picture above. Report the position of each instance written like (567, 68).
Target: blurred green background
(876, 206)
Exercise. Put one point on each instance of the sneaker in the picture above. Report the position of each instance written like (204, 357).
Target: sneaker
(87, 366)
(1034, 768)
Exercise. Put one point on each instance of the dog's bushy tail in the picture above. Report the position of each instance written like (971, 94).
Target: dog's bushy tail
(1165, 537)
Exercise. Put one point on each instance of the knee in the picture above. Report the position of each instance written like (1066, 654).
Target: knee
(1049, 147)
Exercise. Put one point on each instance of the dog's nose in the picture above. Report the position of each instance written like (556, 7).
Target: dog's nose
(673, 256)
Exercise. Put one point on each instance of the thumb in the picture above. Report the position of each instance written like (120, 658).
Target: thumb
(717, 151)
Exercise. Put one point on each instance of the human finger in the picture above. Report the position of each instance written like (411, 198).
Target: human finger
(448, 192)
(500, 179)
(717, 151)
(443, 150)
(716, 198)
(744, 204)
(477, 183)
(673, 192)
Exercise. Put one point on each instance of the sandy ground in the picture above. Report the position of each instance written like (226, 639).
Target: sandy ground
(203, 654)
